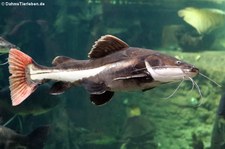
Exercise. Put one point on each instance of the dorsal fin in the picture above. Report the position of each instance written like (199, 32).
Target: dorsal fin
(106, 45)
(60, 59)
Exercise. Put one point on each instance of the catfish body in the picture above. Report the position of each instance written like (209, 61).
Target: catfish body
(112, 66)
(123, 70)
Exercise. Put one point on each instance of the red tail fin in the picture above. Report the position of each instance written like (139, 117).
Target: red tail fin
(20, 87)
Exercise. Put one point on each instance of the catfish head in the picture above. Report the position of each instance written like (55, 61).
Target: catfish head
(164, 68)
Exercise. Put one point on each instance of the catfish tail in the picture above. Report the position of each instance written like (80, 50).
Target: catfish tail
(20, 86)
(38, 137)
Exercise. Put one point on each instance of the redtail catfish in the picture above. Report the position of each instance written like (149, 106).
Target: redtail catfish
(112, 66)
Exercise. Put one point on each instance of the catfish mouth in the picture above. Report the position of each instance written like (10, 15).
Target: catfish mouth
(191, 72)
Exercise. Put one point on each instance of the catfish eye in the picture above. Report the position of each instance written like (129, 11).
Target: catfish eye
(178, 62)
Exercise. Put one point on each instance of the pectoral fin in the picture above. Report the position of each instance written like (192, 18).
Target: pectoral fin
(100, 99)
(131, 77)
(98, 92)
(94, 87)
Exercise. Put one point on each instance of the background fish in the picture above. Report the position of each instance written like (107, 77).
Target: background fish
(9, 139)
(203, 20)
(218, 132)
(39, 102)
(5, 46)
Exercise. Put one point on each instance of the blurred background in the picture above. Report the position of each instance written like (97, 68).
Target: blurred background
(191, 30)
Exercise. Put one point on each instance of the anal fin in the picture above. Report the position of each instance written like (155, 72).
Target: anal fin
(100, 99)
(59, 88)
